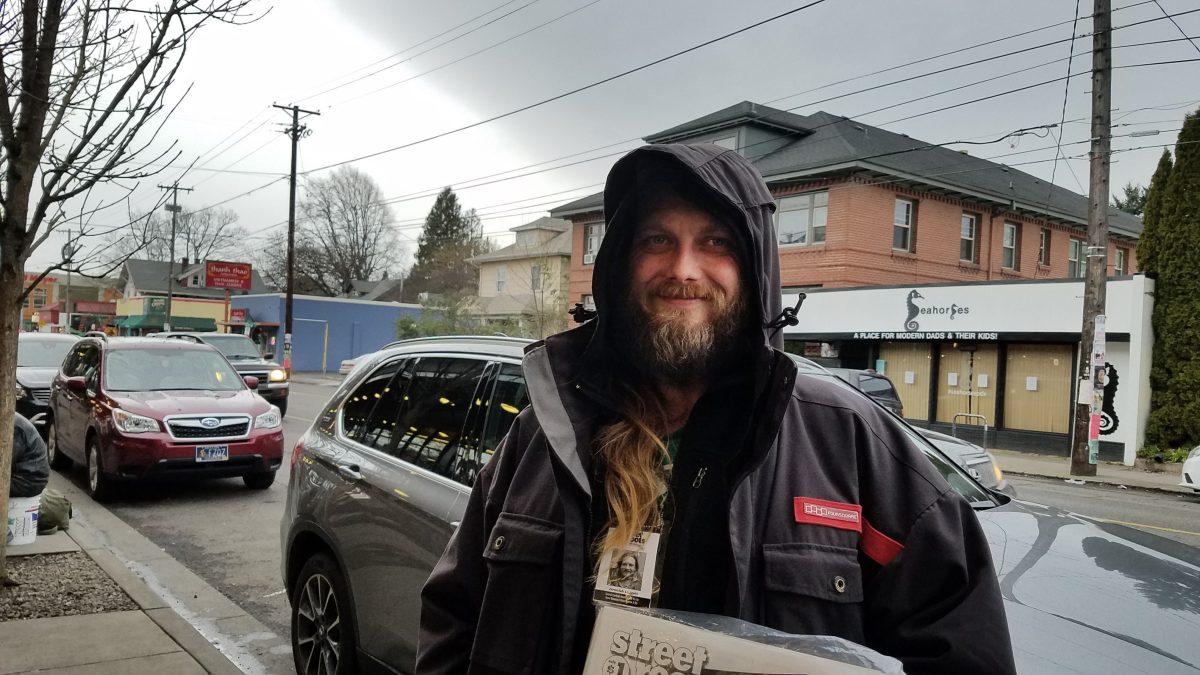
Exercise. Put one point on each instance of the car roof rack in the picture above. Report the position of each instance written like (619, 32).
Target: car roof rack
(185, 336)
(96, 334)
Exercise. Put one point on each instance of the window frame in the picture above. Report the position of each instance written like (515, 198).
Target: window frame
(810, 206)
(1079, 264)
(1045, 238)
(38, 297)
(910, 226)
(1015, 248)
(593, 233)
(501, 278)
(1120, 262)
(535, 278)
(974, 239)
(339, 431)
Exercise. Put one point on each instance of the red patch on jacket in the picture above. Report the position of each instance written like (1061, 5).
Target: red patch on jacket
(830, 514)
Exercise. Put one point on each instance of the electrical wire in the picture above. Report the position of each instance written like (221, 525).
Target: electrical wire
(1063, 120)
(577, 90)
(1177, 26)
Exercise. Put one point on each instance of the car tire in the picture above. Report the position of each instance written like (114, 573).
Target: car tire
(99, 484)
(58, 460)
(259, 481)
(324, 637)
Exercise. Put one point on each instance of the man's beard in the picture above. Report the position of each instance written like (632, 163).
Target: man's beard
(669, 347)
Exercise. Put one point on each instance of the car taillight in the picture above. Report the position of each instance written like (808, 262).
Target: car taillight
(297, 450)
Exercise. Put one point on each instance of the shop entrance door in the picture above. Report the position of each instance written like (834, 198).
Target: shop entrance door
(1037, 393)
(908, 365)
(967, 383)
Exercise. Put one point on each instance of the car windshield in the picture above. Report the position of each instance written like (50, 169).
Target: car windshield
(233, 346)
(42, 353)
(973, 493)
(166, 368)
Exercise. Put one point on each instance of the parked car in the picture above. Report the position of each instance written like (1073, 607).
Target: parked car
(39, 356)
(1191, 470)
(244, 356)
(135, 408)
(382, 477)
(873, 384)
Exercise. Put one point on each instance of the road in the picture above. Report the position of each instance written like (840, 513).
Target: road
(1172, 515)
(229, 535)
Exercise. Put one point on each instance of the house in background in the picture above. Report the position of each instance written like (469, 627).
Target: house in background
(384, 290)
(524, 284)
(143, 305)
(62, 301)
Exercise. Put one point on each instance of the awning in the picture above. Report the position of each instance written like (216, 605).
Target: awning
(156, 321)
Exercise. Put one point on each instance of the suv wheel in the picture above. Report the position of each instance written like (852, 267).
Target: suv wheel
(323, 635)
(282, 405)
(57, 459)
(259, 481)
(99, 484)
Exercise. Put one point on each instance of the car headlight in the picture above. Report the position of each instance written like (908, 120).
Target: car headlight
(277, 375)
(1194, 453)
(133, 424)
(268, 420)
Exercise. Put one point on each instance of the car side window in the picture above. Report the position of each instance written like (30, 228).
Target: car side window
(508, 398)
(71, 363)
(358, 409)
(439, 397)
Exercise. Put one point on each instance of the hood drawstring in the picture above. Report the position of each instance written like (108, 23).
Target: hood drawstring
(581, 314)
(786, 318)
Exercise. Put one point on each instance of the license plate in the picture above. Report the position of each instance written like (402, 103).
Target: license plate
(212, 453)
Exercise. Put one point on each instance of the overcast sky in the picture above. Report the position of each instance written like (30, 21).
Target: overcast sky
(303, 47)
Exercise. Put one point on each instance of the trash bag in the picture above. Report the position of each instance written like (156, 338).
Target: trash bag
(54, 512)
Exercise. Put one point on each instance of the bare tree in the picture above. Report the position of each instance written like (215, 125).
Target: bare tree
(199, 235)
(83, 96)
(344, 233)
(547, 309)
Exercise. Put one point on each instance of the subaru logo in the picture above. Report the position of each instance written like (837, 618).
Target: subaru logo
(210, 423)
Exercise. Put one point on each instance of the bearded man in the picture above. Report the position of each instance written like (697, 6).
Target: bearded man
(674, 424)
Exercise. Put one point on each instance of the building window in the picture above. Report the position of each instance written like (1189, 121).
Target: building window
(593, 234)
(968, 244)
(501, 278)
(38, 296)
(1044, 248)
(1076, 260)
(535, 278)
(729, 142)
(903, 224)
(800, 219)
(1011, 246)
(1119, 265)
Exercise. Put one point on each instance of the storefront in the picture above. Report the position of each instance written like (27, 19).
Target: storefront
(1002, 354)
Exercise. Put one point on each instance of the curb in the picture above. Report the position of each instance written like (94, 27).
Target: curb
(1103, 481)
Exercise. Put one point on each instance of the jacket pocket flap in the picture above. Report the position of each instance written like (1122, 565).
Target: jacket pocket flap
(825, 572)
(521, 538)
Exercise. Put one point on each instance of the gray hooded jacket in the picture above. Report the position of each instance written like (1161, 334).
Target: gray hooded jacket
(838, 525)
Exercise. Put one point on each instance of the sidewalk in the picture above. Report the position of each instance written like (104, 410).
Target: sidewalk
(330, 379)
(152, 638)
(1107, 473)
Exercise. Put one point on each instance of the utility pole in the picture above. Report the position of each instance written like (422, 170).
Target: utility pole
(294, 131)
(174, 208)
(1086, 432)
(68, 256)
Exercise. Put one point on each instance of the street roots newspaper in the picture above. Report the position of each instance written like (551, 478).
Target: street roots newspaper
(632, 641)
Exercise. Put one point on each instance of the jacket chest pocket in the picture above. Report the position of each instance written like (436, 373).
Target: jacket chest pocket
(524, 581)
(814, 589)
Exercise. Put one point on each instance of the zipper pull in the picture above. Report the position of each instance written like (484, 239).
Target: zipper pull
(699, 477)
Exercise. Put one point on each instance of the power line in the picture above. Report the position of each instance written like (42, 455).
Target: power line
(1177, 26)
(464, 58)
(1063, 120)
(573, 91)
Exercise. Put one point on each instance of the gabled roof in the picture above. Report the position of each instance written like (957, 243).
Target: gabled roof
(150, 276)
(827, 145)
(740, 114)
(560, 245)
(544, 223)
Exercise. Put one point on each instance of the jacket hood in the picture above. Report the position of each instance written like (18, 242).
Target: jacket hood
(725, 183)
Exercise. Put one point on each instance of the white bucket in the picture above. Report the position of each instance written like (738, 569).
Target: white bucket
(22, 519)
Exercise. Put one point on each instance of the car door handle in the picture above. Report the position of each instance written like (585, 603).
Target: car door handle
(350, 471)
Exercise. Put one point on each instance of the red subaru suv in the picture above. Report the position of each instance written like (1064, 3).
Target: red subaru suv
(133, 408)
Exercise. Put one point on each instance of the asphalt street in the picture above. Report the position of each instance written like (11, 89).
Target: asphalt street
(229, 535)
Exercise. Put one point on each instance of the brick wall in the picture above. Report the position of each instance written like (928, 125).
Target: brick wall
(858, 242)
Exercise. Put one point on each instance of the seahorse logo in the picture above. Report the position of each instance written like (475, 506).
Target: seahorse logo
(910, 324)
(1108, 412)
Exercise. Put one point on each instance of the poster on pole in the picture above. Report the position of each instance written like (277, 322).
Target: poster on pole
(230, 276)
(1098, 380)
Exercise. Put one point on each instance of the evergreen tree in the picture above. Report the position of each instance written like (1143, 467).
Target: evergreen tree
(1132, 201)
(1174, 253)
(450, 238)
(1149, 243)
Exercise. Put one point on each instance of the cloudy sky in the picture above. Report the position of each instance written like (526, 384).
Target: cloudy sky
(389, 73)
